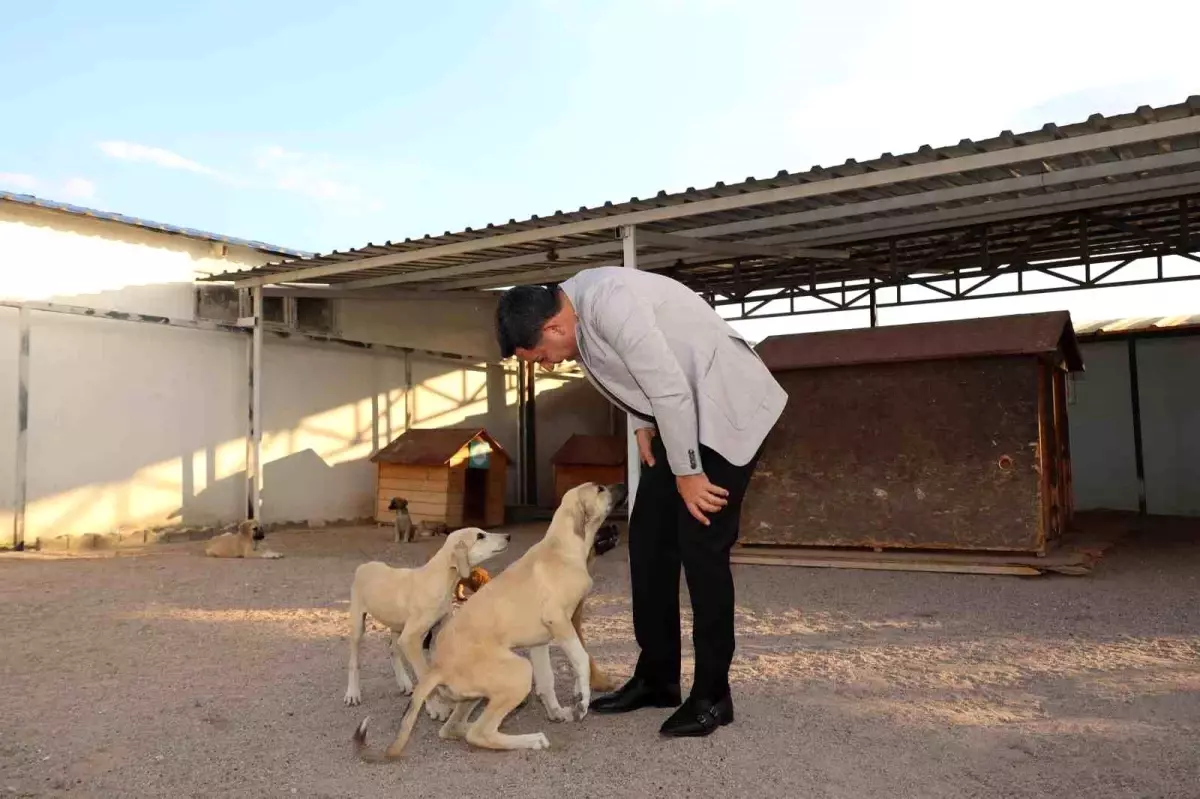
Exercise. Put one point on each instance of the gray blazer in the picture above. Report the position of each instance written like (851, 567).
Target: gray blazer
(656, 348)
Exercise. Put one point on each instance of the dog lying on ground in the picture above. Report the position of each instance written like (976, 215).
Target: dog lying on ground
(242, 544)
(410, 601)
(529, 604)
(403, 522)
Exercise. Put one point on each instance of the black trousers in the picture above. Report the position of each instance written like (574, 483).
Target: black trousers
(662, 536)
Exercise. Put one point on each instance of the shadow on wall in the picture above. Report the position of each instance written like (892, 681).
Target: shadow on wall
(132, 425)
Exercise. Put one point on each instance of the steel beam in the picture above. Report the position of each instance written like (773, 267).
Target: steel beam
(633, 466)
(735, 249)
(1146, 190)
(949, 166)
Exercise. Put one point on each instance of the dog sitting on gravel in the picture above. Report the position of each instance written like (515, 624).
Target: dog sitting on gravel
(242, 544)
(529, 604)
(403, 523)
(409, 602)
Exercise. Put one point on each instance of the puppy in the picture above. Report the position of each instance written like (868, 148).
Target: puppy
(242, 544)
(529, 604)
(403, 522)
(410, 601)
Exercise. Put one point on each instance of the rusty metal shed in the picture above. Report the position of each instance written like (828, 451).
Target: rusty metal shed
(945, 435)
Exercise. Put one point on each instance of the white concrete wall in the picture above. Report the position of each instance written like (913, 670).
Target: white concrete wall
(134, 425)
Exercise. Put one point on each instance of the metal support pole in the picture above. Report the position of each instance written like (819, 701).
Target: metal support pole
(634, 463)
(531, 481)
(1135, 400)
(22, 456)
(254, 464)
(522, 458)
(874, 305)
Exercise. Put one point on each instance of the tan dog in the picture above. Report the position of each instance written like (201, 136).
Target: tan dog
(242, 544)
(529, 604)
(409, 602)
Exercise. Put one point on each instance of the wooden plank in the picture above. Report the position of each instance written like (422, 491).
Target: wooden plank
(885, 565)
(417, 497)
(439, 509)
(400, 471)
(1063, 557)
(394, 484)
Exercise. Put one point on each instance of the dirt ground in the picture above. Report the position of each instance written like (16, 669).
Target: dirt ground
(169, 674)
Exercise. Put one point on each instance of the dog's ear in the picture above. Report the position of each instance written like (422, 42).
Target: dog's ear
(246, 528)
(459, 555)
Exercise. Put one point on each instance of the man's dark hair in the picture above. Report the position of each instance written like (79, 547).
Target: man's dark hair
(520, 315)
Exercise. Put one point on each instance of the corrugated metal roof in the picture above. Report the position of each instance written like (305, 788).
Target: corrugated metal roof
(160, 227)
(1147, 159)
(1023, 334)
(581, 450)
(1136, 324)
(432, 447)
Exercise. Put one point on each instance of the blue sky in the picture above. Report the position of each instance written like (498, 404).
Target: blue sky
(318, 126)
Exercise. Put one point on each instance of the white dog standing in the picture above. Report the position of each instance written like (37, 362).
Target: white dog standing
(409, 602)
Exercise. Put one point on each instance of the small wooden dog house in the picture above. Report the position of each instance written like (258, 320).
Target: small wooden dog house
(945, 435)
(456, 476)
(588, 459)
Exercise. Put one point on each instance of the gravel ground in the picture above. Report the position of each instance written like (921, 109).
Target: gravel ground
(165, 673)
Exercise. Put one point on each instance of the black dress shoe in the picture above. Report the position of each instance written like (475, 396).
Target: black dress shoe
(698, 717)
(636, 694)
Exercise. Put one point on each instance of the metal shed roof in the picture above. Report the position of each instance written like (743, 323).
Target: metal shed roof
(146, 224)
(432, 447)
(1022, 334)
(829, 223)
(1138, 324)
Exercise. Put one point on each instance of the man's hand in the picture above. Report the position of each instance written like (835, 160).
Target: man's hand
(644, 436)
(700, 496)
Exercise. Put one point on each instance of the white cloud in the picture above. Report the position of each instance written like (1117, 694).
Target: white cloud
(316, 177)
(16, 181)
(144, 154)
(79, 189)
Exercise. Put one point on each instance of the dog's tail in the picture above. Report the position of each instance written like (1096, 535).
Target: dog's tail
(425, 688)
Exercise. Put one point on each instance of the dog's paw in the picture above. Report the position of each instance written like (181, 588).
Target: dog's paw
(540, 741)
(353, 698)
(579, 707)
(559, 714)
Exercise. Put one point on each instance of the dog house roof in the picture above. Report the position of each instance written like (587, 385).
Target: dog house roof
(581, 450)
(1021, 334)
(432, 447)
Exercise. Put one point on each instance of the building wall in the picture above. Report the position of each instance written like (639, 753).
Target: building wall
(135, 425)
(1169, 378)
(1102, 437)
(1099, 411)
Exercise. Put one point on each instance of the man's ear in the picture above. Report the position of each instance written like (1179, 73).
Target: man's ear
(460, 559)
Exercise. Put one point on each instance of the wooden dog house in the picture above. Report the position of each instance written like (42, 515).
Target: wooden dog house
(584, 459)
(945, 435)
(457, 476)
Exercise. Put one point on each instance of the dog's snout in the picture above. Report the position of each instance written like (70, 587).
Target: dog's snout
(619, 492)
(507, 537)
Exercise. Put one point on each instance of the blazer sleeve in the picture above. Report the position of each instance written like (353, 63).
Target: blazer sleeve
(628, 326)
